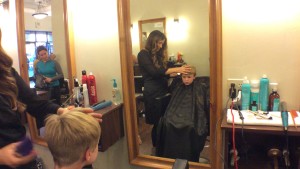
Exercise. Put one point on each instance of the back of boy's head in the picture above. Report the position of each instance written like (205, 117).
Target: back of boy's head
(70, 135)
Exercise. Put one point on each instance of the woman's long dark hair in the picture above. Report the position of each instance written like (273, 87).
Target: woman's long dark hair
(151, 46)
(8, 86)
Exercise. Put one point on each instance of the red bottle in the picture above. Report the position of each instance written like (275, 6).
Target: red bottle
(92, 89)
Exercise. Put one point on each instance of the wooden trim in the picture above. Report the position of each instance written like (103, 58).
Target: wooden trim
(215, 41)
(21, 41)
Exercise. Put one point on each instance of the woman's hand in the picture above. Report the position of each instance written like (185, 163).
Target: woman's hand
(87, 110)
(185, 69)
(48, 80)
(9, 157)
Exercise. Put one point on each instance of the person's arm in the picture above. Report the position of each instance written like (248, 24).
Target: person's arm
(58, 71)
(183, 70)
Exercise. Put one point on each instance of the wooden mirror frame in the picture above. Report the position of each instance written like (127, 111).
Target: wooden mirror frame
(141, 22)
(215, 45)
(70, 55)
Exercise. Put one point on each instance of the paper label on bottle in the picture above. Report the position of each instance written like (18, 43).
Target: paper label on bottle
(276, 103)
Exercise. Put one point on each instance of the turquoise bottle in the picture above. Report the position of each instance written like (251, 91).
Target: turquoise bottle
(264, 93)
(246, 89)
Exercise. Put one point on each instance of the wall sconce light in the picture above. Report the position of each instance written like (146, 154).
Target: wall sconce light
(39, 14)
(176, 20)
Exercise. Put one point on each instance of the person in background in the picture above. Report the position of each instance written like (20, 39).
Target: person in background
(52, 72)
(73, 139)
(152, 62)
(184, 137)
(16, 97)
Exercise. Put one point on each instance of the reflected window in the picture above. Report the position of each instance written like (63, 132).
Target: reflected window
(33, 40)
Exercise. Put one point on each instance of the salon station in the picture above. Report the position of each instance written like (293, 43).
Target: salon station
(246, 53)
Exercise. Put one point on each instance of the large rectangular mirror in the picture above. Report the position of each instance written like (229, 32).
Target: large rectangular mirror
(130, 13)
(186, 26)
(55, 24)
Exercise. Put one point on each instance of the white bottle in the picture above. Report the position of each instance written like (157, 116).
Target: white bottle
(116, 97)
(85, 93)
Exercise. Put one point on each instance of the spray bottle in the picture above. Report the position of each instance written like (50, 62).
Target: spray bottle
(264, 93)
(93, 90)
(116, 97)
(246, 94)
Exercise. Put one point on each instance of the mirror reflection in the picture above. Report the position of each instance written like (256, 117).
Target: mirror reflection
(187, 32)
(46, 30)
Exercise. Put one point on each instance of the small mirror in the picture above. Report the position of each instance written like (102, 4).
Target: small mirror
(147, 26)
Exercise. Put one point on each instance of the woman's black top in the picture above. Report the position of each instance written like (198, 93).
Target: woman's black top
(11, 128)
(155, 84)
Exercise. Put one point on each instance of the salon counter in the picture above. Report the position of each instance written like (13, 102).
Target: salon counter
(112, 128)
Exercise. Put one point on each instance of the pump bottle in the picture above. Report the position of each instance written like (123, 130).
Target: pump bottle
(116, 97)
(93, 90)
(85, 94)
(77, 98)
(274, 98)
(246, 94)
(264, 93)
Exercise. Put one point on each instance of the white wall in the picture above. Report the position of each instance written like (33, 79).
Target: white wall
(190, 36)
(9, 36)
(263, 37)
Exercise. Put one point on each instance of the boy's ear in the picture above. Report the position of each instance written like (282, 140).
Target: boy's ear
(87, 155)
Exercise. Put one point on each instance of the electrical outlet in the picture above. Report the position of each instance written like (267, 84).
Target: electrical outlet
(238, 84)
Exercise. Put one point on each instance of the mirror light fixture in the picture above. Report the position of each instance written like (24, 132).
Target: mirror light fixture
(39, 14)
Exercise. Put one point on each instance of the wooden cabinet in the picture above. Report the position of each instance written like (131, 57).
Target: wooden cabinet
(112, 128)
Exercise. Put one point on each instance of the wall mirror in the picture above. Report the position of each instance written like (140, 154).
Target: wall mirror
(146, 26)
(57, 24)
(129, 14)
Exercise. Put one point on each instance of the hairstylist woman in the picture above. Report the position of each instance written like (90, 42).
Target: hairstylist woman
(15, 98)
(155, 74)
(52, 72)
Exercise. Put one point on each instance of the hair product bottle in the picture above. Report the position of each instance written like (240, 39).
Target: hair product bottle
(264, 93)
(77, 98)
(246, 94)
(116, 97)
(85, 93)
(274, 98)
(254, 96)
(93, 90)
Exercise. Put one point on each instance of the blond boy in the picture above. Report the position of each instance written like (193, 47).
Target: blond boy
(188, 79)
(72, 139)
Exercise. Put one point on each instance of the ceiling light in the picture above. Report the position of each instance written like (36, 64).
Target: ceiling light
(39, 14)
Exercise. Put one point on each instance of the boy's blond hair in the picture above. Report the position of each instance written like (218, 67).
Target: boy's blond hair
(70, 135)
(193, 70)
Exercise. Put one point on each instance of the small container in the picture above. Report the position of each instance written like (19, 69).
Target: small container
(254, 95)
(274, 98)
(116, 97)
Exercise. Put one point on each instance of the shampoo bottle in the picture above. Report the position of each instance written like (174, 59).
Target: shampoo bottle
(264, 93)
(93, 90)
(246, 94)
(274, 98)
(116, 97)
